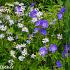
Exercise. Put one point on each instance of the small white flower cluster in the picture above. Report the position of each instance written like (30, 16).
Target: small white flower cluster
(0, 21)
(4, 9)
(12, 53)
(21, 58)
(11, 61)
(20, 25)
(18, 46)
(45, 40)
(59, 36)
(11, 22)
(2, 36)
(10, 38)
(22, 51)
(24, 29)
(33, 55)
(3, 27)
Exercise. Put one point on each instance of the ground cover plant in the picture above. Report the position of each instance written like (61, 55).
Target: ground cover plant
(35, 35)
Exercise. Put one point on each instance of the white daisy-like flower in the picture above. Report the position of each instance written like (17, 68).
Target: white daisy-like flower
(45, 40)
(28, 41)
(2, 36)
(24, 52)
(18, 46)
(0, 21)
(7, 17)
(10, 38)
(59, 36)
(25, 29)
(3, 28)
(39, 14)
(20, 25)
(33, 56)
(12, 53)
(21, 58)
(34, 20)
(11, 22)
(10, 61)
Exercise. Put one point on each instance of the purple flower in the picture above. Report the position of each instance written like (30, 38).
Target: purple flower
(18, 9)
(53, 48)
(36, 30)
(66, 49)
(43, 31)
(62, 10)
(43, 51)
(58, 64)
(42, 23)
(38, 23)
(33, 13)
(59, 16)
(32, 4)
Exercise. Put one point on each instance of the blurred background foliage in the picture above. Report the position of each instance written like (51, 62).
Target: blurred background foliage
(37, 1)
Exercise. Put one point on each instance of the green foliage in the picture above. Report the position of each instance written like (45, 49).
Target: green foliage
(50, 9)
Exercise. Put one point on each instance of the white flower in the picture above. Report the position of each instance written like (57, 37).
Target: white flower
(12, 53)
(10, 61)
(20, 25)
(21, 58)
(34, 20)
(7, 17)
(18, 46)
(39, 14)
(33, 56)
(3, 28)
(54, 21)
(10, 38)
(24, 52)
(0, 21)
(28, 41)
(25, 29)
(59, 36)
(45, 40)
(2, 36)
(11, 22)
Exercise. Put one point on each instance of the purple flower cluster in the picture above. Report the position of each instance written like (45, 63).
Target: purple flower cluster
(58, 64)
(66, 49)
(60, 14)
(32, 4)
(53, 48)
(33, 13)
(41, 24)
(43, 51)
